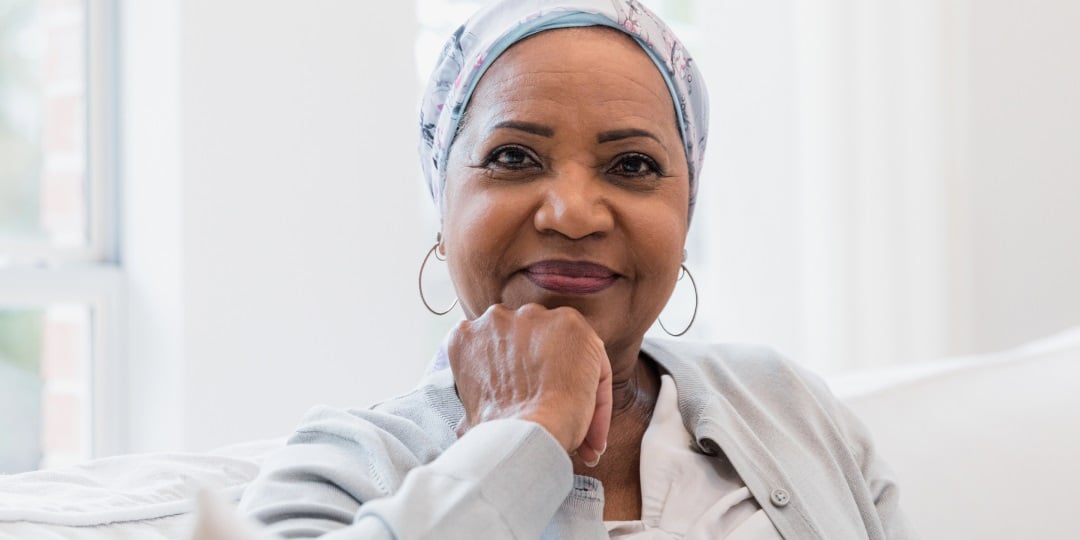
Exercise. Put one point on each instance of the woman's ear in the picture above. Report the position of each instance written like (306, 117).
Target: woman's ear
(442, 246)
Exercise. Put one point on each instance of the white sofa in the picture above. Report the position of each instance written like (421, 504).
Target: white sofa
(985, 447)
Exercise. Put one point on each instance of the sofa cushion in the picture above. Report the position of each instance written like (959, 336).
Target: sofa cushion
(983, 447)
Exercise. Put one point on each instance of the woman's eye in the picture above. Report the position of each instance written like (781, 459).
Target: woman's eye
(511, 158)
(635, 165)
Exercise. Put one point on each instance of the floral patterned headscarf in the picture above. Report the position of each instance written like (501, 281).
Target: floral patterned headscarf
(487, 34)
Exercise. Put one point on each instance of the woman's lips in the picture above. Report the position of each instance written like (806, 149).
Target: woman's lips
(570, 277)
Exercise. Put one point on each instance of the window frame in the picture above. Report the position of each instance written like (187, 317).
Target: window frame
(39, 275)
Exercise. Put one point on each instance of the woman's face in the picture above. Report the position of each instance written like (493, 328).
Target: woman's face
(568, 184)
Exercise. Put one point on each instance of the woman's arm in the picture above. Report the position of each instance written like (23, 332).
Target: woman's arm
(529, 385)
(504, 479)
(877, 476)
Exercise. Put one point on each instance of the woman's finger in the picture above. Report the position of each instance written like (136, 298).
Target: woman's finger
(595, 442)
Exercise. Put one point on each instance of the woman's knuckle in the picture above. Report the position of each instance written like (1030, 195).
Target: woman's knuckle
(530, 309)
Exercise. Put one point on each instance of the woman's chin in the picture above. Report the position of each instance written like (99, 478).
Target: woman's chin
(589, 304)
(608, 317)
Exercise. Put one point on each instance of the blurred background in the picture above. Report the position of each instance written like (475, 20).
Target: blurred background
(212, 218)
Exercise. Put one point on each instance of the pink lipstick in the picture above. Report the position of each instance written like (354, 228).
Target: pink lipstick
(570, 277)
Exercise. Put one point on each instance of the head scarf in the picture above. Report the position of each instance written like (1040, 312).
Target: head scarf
(487, 34)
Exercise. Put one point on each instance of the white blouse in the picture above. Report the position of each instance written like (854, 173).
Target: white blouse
(685, 494)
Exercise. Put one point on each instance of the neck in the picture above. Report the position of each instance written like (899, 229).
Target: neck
(635, 383)
(634, 392)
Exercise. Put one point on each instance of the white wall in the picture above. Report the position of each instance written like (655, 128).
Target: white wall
(1024, 169)
(270, 150)
(822, 201)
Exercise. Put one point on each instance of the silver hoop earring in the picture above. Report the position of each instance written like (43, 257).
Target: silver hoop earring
(420, 279)
(686, 272)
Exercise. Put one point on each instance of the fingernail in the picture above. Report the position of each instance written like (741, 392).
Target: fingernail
(591, 464)
(602, 450)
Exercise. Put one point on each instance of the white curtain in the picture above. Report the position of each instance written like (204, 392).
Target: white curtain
(824, 227)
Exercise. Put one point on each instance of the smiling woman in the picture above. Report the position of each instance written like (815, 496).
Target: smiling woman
(566, 192)
(568, 187)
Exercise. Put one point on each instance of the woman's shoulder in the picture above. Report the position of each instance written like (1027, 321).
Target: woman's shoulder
(770, 407)
(752, 379)
(730, 362)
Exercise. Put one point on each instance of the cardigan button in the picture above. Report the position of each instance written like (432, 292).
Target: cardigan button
(780, 498)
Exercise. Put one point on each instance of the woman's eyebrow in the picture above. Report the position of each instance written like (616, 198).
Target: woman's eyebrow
(528, 127)
(618, 134)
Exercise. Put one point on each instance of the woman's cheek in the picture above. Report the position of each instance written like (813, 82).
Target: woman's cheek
(477, 246)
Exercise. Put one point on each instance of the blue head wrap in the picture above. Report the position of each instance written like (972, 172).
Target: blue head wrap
(487, 34)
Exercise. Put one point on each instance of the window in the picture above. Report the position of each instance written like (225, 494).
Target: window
(44, 363)
(58, 280)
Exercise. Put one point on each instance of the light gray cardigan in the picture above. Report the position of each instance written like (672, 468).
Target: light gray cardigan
(397, 470)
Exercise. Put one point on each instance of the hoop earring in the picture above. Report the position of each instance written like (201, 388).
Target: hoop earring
(420, 278)
(685, 272)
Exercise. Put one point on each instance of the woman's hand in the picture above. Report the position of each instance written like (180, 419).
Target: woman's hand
(538, 364)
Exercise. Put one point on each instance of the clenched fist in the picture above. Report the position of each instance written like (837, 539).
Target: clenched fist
(538, 364)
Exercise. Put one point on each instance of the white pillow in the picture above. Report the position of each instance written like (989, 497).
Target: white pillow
(138, 496)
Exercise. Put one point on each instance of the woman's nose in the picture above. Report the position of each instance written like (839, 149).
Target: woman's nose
(574, 205)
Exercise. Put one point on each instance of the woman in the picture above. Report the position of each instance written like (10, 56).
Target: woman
(562, 142)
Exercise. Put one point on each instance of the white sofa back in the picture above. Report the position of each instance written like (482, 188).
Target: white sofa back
(985, 447)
